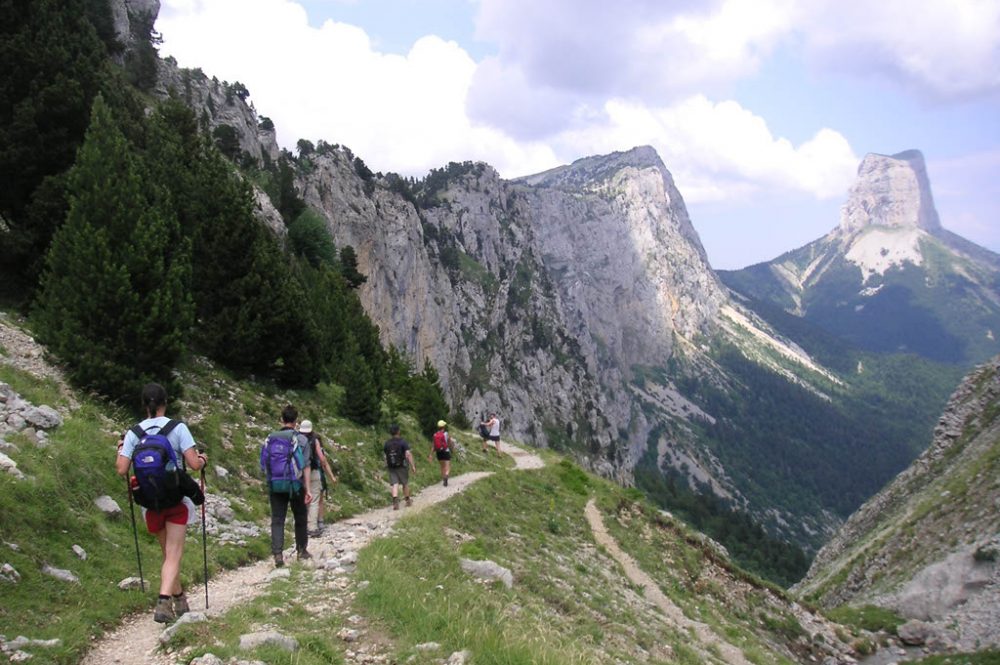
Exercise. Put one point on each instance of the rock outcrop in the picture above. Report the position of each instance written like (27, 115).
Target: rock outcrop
(926, 546)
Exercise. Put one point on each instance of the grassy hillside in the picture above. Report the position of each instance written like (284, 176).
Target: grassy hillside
(42, 517)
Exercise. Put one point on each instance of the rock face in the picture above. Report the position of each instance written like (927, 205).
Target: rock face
(892, 191)
(926, 546)
(534, 297)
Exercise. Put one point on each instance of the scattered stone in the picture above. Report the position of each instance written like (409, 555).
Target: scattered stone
(15, 420)
(349, 634)
(279, 574)
(20, 657)
(108, 506)
(130, 583)
(914, 633)
(488, 570)
(80, 552)
(459, 658)
(221, 472)
(428, 646)
(349, 559)
(8, 447)
(189, 617)
(272, 637)
(13, 546)
(21, 641)
(44, 416)
(60, 574)
(10, 466)
(9, 574)
(208, 659)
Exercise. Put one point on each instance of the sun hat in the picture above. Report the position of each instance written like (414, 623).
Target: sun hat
(442, 423)
(306, 427)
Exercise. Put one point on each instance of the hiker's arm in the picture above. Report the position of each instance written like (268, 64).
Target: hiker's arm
(329, 471)
(409, 458)
(195, 461)
(124, 459)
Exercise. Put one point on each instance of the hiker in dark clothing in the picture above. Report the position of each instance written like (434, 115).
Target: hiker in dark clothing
(397, 457)
(284, 462)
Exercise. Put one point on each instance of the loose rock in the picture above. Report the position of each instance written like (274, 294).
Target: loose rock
(488, 570)
(9, 574)
(108, 506)
(272, 637)
(60, 574)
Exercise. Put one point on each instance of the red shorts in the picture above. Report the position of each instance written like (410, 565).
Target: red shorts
(157, 520)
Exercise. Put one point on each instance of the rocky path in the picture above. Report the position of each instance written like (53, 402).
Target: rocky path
(673, 614)
(137, 639)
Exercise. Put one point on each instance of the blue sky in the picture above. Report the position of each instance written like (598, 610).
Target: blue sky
(761, 109)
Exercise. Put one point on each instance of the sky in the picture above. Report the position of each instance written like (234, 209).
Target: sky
(762, 110)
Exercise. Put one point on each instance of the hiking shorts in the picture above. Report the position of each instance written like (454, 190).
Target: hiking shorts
(443, 455)
(156, 520)
(399, 475)
(494, 437)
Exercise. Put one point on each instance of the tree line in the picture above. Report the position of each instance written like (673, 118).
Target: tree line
(132, 240)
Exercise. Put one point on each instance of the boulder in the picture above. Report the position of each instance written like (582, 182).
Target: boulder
(9, 574)
(60, 574)
(915, 633)
(10, 466)
(43, 417)
(488, 570)
(80, 552)
(108, 506)
(272, 637)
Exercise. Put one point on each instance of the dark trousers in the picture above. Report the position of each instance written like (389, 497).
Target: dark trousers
(300, 512)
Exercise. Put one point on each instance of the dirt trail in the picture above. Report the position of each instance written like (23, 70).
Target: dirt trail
(137, 639)
(674, 615)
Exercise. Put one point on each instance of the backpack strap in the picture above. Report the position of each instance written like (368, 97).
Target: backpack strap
(169, 427)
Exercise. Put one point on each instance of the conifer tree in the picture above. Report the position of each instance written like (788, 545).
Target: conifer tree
(361, 399)
(427, 399)
(114, 301)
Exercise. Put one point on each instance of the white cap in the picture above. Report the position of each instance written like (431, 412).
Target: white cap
(306, 427)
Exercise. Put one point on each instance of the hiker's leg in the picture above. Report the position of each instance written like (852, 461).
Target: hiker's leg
(313, 508)
(406, 491)
(172, 542)
(446, 468)
(498, 446)
(300, 512)
(279, 509)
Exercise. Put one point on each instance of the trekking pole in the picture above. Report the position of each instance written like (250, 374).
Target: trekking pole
(204, 541)
(135, 534)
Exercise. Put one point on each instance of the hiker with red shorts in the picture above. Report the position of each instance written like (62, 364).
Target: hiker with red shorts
(167, 522)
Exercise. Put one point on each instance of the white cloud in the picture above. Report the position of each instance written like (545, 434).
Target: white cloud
(944, 48)
(721, 150)
(399, 113)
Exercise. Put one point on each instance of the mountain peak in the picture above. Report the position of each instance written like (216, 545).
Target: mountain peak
(597, 167)
(891, 191)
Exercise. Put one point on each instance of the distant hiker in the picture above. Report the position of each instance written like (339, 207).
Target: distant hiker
(397, 457)
(319, 469)
(493, 427)
(484, 432)
(158, 449)
(284, 459)
(441, 446)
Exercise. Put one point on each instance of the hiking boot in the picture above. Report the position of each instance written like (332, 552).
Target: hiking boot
(316, 533)
(181, 605)
(303, 555)
(279, 560)
(446, 481)
(408, 502)
(164, 611)
(395, 503)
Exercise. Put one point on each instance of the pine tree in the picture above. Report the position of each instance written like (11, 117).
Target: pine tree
(427, 399)
(114, 301)
(361, 400)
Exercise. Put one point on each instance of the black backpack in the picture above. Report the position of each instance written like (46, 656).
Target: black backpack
(395, 456)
